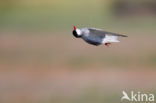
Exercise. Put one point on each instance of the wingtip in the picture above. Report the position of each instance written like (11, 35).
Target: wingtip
(124, 35)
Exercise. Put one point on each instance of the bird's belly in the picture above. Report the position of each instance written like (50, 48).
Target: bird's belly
(93, 41)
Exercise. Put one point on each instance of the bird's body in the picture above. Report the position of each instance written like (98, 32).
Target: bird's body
(96, 36)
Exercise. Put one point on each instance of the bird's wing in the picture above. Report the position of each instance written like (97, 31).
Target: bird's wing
(102, 33)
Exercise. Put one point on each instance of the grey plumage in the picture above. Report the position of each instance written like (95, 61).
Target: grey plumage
(96, 36)
(102, 33)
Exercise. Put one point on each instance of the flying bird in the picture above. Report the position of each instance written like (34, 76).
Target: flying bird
(96, 36)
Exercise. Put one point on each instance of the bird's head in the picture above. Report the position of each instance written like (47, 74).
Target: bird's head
(77, 32)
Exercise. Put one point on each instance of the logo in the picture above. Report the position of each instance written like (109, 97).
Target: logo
(137, 97)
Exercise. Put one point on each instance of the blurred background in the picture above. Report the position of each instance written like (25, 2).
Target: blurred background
(41, 61)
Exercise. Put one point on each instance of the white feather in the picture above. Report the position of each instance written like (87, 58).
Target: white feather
(78, 32)
(109, 39)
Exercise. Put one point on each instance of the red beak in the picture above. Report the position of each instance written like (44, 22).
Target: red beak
(74, 27)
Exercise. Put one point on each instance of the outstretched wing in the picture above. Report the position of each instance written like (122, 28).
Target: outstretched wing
(102, 33)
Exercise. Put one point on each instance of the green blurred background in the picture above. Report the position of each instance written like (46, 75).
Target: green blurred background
(41, 61)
